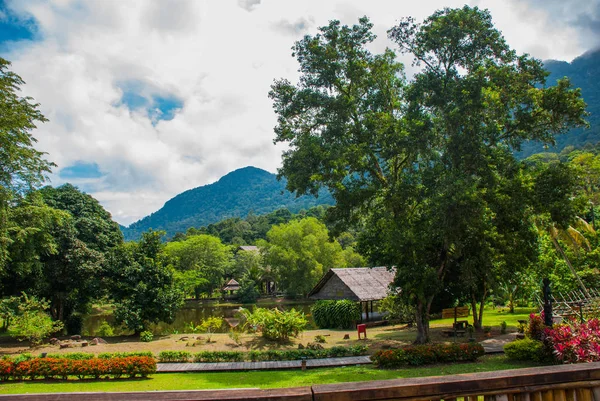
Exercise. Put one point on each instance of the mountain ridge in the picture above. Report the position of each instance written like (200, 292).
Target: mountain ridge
(237, 193)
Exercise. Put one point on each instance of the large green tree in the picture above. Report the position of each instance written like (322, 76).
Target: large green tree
(300, 252)
(141, 285)
(94, 224)
(425, 167)
(203, 259)
(22, 167)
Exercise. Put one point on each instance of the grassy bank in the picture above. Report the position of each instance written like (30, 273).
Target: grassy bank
(257, 379)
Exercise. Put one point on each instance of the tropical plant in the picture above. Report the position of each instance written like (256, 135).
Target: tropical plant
(211, 325)
(275, 324)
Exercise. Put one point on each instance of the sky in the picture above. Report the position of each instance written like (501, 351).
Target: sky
(146, 99)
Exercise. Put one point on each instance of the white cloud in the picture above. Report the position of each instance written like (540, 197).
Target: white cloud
(216, 57)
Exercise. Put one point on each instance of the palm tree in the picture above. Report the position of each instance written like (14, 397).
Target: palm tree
(574, 237)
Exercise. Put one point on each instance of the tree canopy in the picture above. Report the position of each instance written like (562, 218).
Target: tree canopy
(424, 167)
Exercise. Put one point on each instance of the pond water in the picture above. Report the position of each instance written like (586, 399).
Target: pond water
(196, 312)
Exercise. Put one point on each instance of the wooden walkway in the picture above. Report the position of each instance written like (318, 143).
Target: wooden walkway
(232, 366)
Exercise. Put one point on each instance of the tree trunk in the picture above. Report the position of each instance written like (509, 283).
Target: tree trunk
(422, 318)
(476, 322)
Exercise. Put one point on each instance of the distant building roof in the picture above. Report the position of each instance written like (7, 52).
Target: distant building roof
(248, 248)
(354, 283)
(231, 285)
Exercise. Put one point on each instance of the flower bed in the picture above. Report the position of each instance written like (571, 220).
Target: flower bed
(428, 354)
(82, 368)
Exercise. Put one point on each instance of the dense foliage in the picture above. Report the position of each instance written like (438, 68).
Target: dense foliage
(235, 195)
(141, 286)
(23, 168)
(335, 314)
(428, 354)
(424, 168)
(300, 252)
(275, 324)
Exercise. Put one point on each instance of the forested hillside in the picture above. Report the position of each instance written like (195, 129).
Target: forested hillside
(584, 73)
(238, 193)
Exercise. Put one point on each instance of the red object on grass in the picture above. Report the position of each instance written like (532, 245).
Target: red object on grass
(362, 328)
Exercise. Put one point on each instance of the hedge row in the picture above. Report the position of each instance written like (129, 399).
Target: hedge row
(62, 368)
(329, 314)
(254, 356)
(428, 354)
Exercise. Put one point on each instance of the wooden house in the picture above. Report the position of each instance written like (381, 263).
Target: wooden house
(361, 284)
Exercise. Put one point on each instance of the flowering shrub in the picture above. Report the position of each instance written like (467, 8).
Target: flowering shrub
(428, 354)
(535, 329)
(574, 343)
(62, 368)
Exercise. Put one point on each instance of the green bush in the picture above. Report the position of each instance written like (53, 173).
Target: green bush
(146, 336)
(427, 354)
(174, 356)
(219, 356)
(526, 349)
(105, 330)
(109, 355)
(275, 324)
(335, 314)
(77, 356)
(503, 327)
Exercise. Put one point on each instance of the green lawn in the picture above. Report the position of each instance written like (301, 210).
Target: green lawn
(492, 317)
(257, 379)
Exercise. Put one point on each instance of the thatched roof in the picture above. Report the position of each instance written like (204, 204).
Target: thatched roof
(231, 285)
(355, 283)
(248, 248)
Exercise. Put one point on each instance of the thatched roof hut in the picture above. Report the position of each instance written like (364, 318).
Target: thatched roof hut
(354, 283)
(231, 285)
(248, 248)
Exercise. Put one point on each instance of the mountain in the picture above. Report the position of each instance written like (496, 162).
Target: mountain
(584, 72)
(248, 189)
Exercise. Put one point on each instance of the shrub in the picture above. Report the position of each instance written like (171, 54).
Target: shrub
(503, 327)
(526, 349)
(574, 343)
(275, 324)
(219, 356)
(33, 325)
(211, 325)
(62, 368)
(109, 355)
(335, 314)
(71, 355)
(428, 354)
(146, 336)
(535, 329)
(105, 330)
(174, 356)
(397, 308)
(320, 339)
(235, 336)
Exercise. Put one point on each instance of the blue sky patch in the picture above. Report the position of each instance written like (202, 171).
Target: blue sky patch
(80, 170)
(14, 28)
(158, 106)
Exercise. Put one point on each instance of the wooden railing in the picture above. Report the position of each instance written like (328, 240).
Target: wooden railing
(551, 383)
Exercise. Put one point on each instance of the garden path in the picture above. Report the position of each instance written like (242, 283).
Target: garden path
(230, 366)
